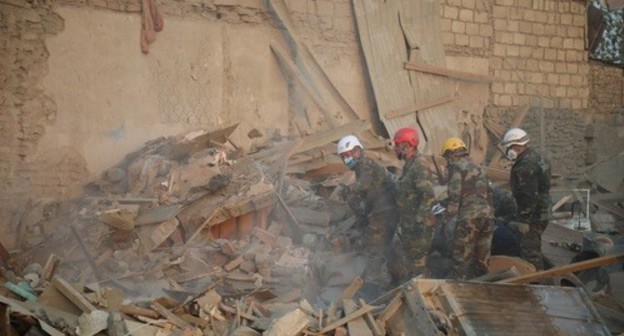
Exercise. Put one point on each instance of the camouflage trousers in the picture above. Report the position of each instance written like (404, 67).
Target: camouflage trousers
(471, 247)
(379, 232)
(409, 253)
(531, 244)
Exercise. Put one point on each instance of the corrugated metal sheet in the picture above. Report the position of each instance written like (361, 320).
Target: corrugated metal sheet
(496, 309)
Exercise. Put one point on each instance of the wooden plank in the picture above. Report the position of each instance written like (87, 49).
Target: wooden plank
(73, 295)
(372, 323)
(358, 325)
(420, 24)
(442, 71)
(363, 310)
(134, 310)
(571, 268)
(383, 45)
(419, 107)
(291, 324)
(423, 320)
(391, 308)
(293, 71)
(164, 312)
(305, 58)
(561, 202)
(353, 287)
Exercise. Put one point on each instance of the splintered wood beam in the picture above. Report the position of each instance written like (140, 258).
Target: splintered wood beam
(441, 71)
(419, 107)
(73, 295)
(571, 268)
(358, 325)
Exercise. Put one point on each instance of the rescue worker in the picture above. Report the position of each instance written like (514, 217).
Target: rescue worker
(372, 197)
(530, 186)
(414, 200)
(469, 216)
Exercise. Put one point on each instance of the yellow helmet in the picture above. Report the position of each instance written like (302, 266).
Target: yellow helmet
(453, 144)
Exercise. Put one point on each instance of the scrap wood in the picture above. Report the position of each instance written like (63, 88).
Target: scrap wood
(422, 320)
(134, 310)
(358, 313)
(350, 291)
(164, 312)
(73, 295)
(561, 202)
(307, 60)
(356, 326)
(290, 324)
(391, 308)
(90, 259)
(571, 268)
(442, 71)
(294, 72)
(233, 264)
(234, 311)
(50, 268)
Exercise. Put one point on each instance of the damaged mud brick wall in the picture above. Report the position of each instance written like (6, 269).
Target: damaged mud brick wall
(25, 110)
(606, 83)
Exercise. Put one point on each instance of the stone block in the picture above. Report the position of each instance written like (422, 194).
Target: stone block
(525, 27)
(564, 79)
(462, 40)
(579, 44)
(577, 103)
(481, 17)
(510, 88)
(505, 100)
(565, 103)
(537, 53)
(501, 12)
(531, 40)
(530, 15)
(543, 41)
(556, 42)
(538, 28)
(498, 87)
(466, 15)
(564, 6)
(561, 54)
(572, 56)
(477, 42)
(536, 78)
(550, 29)
(451, 12)
(469, 4)
(458, 27)
(505, 2)
(568, 43)
(485, 30)
(456, 3)
(512, 51)
(500, 24)
(560, 91)
(472, 29)
(572, 92)
(525, 51)
(448, 38)
(541, 17)
(519, 38)
(565, 19)
(499, 50)
(546, 66)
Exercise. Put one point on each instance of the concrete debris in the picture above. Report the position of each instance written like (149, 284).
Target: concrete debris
(182, 239)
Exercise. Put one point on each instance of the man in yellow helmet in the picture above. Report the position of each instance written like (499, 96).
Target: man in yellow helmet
(469, 216)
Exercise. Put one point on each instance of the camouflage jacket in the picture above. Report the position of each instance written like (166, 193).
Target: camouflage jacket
(415, 195)
(469, 193)
(530, 185)
(373, 190)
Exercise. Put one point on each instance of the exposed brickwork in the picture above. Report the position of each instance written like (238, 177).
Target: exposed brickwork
(25, 110)
(607, 88)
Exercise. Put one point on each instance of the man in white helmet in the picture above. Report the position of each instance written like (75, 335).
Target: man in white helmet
(530, 186)
(372, 197)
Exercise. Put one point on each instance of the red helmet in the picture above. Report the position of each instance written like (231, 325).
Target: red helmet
(407, 134)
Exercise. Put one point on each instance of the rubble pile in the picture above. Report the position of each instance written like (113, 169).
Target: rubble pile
(190, 236)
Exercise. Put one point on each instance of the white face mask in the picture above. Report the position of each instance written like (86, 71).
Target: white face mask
(512, 155)
(349, 162)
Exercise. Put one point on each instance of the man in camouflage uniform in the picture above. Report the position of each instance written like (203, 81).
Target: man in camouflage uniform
(530, 186)
(414, 199)
(469, 216)
(372, 197)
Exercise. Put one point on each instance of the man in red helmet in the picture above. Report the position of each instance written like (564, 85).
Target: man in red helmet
(414, 199)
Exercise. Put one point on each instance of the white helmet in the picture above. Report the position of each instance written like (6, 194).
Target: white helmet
(515, 136)
(348, 143)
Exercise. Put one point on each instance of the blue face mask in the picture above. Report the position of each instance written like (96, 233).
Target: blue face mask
(350, 162)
